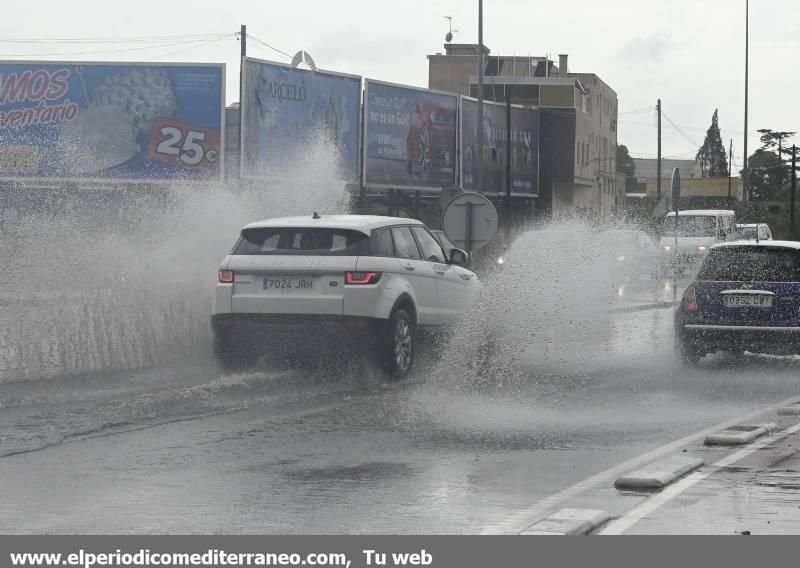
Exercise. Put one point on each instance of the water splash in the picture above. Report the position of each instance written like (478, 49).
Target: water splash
(124, 281)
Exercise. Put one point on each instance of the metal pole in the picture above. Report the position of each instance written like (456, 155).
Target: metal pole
(658, 166)
(243, 54)
(730, 169)
(478, 184)
(508, 167)
(745, 176)
(794, 191)
(468, 220)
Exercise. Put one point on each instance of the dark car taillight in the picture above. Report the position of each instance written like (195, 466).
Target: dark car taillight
(361, 278)
(225, 276)
(691, 299)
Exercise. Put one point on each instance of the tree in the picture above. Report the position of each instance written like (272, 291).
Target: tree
(772, 141)
(712, 156)
(626, 165)
(765, 175)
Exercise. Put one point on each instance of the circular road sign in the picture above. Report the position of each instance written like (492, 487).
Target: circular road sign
(470, 221)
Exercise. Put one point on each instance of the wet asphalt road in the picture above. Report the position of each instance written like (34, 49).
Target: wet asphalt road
(191, 450)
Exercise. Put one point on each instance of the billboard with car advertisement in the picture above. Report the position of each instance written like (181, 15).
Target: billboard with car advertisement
(524, 147)
(286, 111)
(111, 121)
(409, 137)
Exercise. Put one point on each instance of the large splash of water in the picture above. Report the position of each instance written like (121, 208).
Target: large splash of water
(94, 287)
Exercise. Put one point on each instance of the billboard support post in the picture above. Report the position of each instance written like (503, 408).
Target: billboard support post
(508, 167)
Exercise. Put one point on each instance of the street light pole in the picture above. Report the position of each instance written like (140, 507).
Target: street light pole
(745, 176)
(794, 190)
(477, 184)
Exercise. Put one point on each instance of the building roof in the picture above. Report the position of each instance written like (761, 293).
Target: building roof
(364, 223)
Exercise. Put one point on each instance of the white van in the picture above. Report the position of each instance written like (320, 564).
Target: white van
(698, 230)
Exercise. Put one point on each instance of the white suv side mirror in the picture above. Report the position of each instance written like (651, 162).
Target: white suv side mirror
(458, 257)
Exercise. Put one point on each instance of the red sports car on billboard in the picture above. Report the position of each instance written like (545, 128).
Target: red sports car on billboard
(430, 145)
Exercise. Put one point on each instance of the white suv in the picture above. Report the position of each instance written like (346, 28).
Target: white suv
(351, 279)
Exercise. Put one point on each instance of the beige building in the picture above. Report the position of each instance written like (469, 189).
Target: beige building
(693, 184)
(578, 128)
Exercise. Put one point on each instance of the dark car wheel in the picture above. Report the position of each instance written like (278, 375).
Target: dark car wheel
(397, 344)
(690, 354)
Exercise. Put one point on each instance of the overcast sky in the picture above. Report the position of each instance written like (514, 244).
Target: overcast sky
(688, 52)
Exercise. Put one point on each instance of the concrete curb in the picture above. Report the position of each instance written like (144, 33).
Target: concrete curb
(740, 435)
(659, 474)
(569, 522)
(791, 410)
(647, 306)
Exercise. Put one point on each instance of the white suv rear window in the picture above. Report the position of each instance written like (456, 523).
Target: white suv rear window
(300, 242)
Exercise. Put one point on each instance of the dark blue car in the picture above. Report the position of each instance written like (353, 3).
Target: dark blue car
(746, 297)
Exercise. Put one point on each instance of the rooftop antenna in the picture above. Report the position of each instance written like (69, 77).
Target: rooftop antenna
(449, 37)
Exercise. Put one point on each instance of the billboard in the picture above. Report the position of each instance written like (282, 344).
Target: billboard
(524, 147)
(287, 110)
(409, 137)
(111, 121)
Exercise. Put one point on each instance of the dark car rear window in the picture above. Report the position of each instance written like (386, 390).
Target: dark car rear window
(300, 242)
(751, 264)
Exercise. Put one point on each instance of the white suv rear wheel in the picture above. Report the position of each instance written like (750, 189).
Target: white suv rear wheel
(398, 344)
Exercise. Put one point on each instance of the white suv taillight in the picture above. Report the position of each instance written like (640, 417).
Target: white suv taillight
(361, 278)
(691, 300)
(225, 276)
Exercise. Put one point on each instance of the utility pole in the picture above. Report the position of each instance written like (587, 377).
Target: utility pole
(794, 191)
(745, 172)
(658, 167)
(730, 169)
(477, 183)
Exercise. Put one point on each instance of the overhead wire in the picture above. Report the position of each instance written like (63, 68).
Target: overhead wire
(637, 111)
(100, 52)
(113, 40)
(185, 49)
(273, 48)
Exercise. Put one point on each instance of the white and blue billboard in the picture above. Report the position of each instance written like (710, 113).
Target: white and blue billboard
(122, 122)
(289, 112)
(409, 137)
(524, 148)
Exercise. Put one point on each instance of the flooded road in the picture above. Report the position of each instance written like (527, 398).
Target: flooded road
(190, 449)
(114, 417)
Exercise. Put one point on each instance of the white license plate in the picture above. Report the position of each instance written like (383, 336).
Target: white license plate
(288, 284)
(747, 301)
